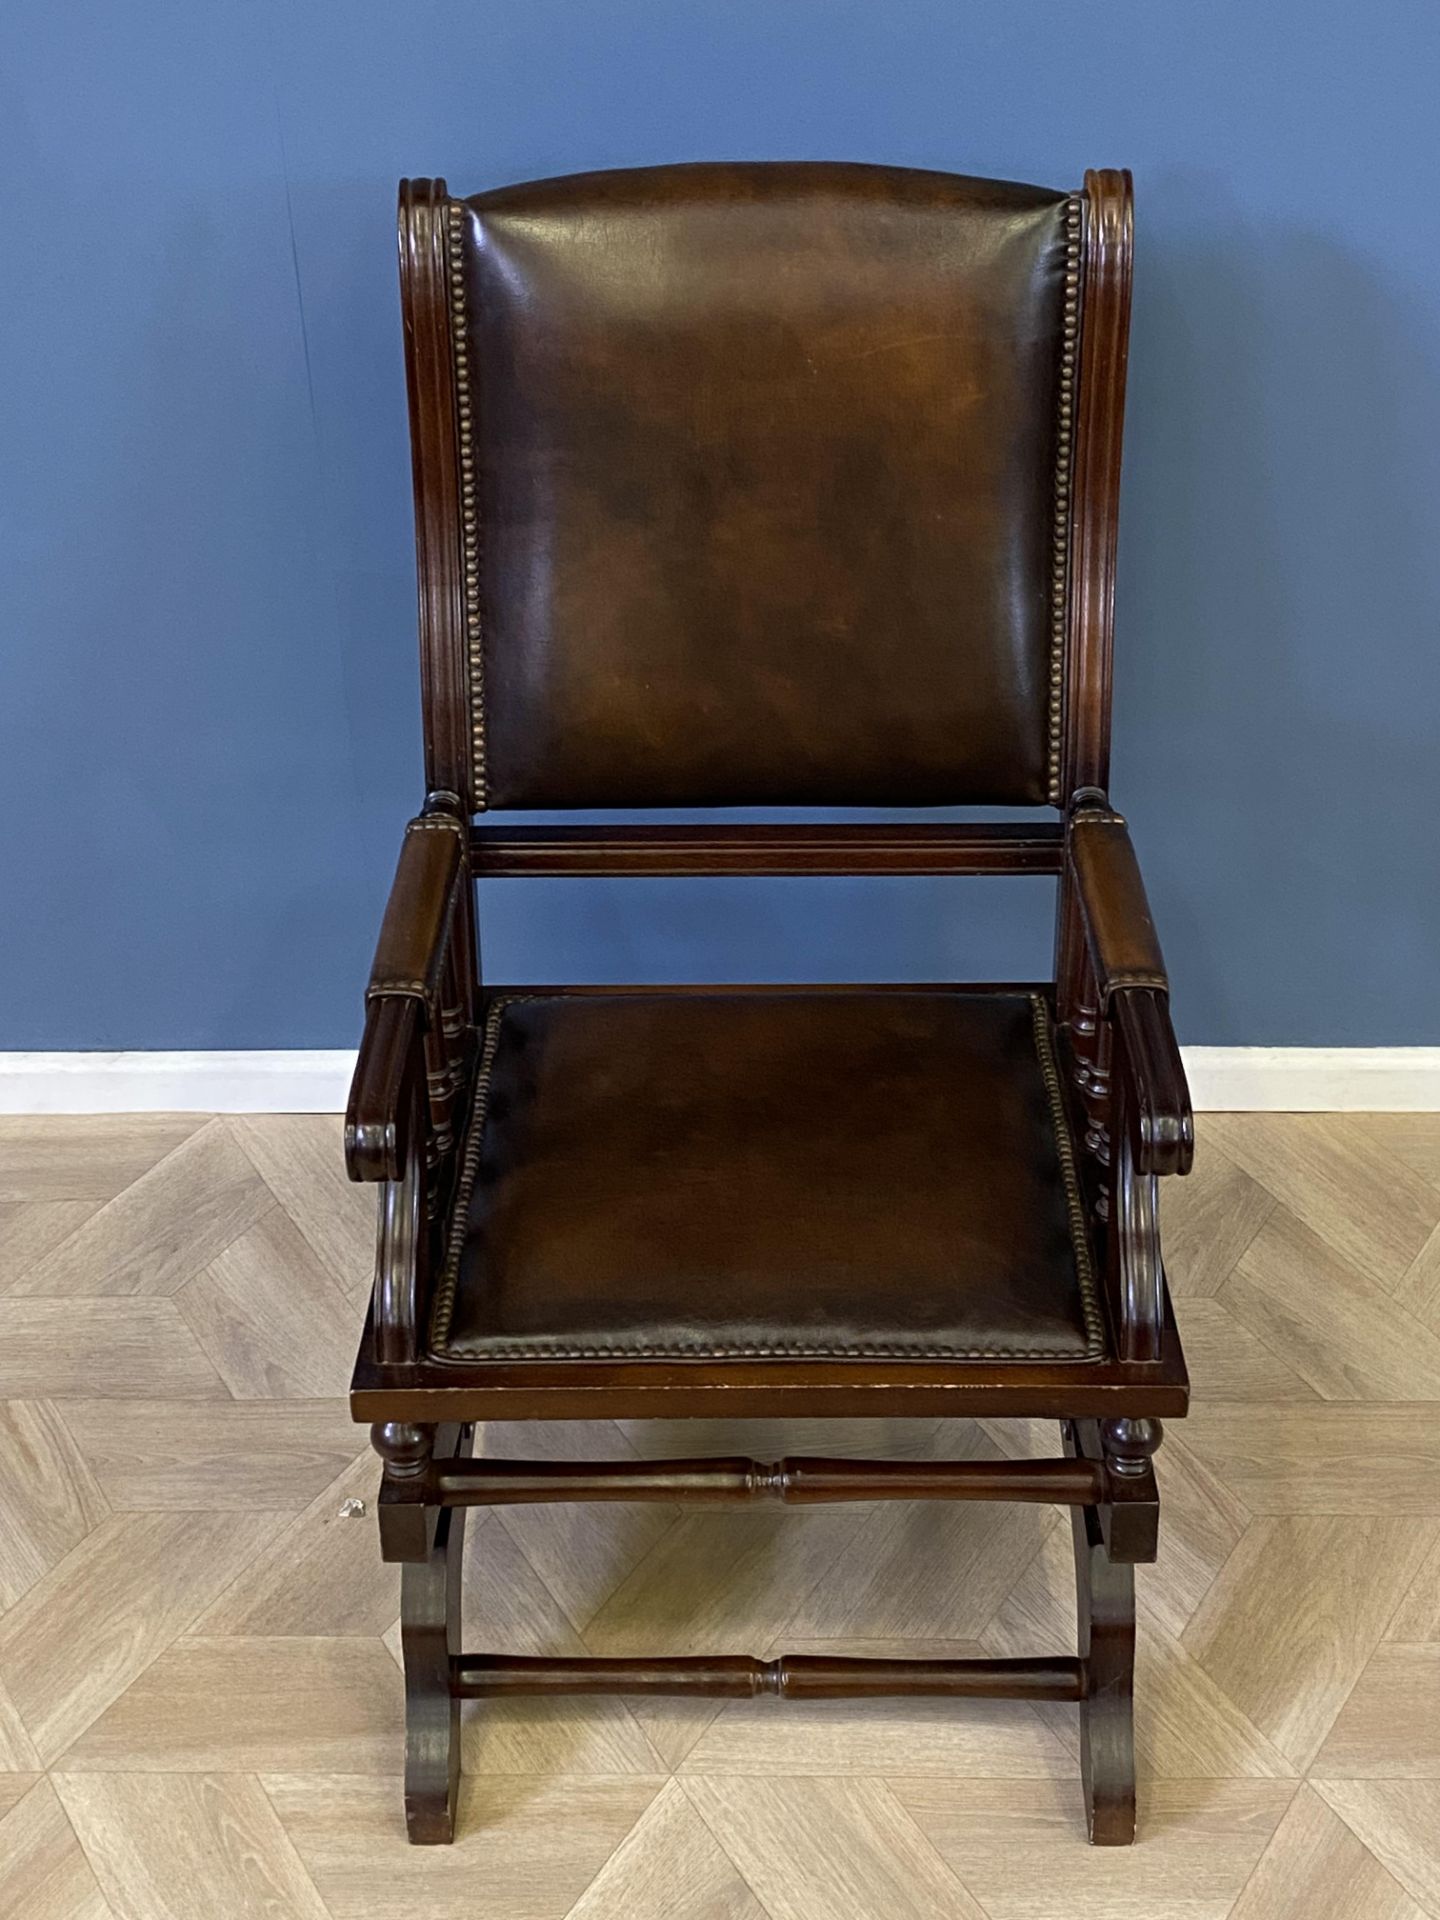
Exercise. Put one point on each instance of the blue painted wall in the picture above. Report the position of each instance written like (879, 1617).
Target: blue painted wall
(209, 723)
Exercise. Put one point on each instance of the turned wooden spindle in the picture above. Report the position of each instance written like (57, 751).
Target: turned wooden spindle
(444, 1066)
(1130, 1445)
(405, 1449)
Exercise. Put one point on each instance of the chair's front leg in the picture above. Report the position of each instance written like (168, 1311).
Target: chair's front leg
(430, 1634)
(1109, 1539)
(1105, 1609)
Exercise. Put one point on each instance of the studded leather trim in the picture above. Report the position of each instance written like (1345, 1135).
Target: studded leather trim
(471, 538)
(470, 542)
(1064, 463)
(1074, 1197)
(444, 1304)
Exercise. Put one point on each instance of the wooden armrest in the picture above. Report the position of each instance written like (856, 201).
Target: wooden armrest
(410, 954)
(381, 1112)
(1157, 1098)
(1124, 947)
(1133, 989)
(403, 997)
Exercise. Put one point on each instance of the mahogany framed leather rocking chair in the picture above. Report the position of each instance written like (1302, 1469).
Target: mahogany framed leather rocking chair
(768, 485)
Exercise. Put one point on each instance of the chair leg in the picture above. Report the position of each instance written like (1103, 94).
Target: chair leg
(1105, 1592)
(426, 1492)
(1109, 1539)
(429, 1638)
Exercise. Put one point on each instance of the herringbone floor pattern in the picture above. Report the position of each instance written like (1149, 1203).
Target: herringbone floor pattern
(200, 1707)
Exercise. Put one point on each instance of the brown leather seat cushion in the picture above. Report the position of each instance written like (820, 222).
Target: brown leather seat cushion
(838, 1174)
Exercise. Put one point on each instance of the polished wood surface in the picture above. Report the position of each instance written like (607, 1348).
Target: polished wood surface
(791, 1677)
(1287, 1692)
(435, 460)
(498, 853)
(796, 1481)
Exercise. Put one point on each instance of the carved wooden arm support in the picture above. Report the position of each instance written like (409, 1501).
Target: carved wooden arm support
(405, 1000)
(1134, 993)
(1134, 1077)
(412, 1066)
(382, 1117)
(1157, 1099)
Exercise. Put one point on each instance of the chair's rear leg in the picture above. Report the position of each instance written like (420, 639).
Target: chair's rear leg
(430, 1628)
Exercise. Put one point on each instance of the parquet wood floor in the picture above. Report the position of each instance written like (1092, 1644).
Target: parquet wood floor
(200, 1705)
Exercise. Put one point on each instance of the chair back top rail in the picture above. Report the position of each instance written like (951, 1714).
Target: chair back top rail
(927, 847)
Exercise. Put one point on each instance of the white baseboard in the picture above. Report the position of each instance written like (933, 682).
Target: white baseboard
(309, 1081)
(1222, 1079)
(1314, 1079)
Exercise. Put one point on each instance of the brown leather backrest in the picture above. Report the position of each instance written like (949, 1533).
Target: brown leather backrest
(764, 478)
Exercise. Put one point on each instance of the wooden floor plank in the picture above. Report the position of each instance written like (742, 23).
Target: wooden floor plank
(1371, 1208)
(828, 1849)
(934, 1572)
(668, 1867)
(718, 1581)
(1413, 1138)
(1209, 1218)
(1315, 1869)
(168, 1847)
(956, 1740)
(235, 1706)
(18, 1753)
(1399, 1821)
(1419, 1288)
(526, 1848)
(321, 1575)
(1355, 1460)
(29, 1229)
(266, 1458)
(1417, 1618)
(1341, 1331)
(300, 1157)
(121, 1349)
(1186, 1727)
(272, 1318)
(1300, 1606)
(13, 1788)
(89, 1157)
(44, 1874)
(1197, 1843)
(157, 1234)
(769, 1439)
(92, 1625)
(1389, 1727)
(1204, 1519)
(1231, 1359)
(49, 1499)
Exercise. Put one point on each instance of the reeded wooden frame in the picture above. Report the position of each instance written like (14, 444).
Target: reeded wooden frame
(1123, 1090)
